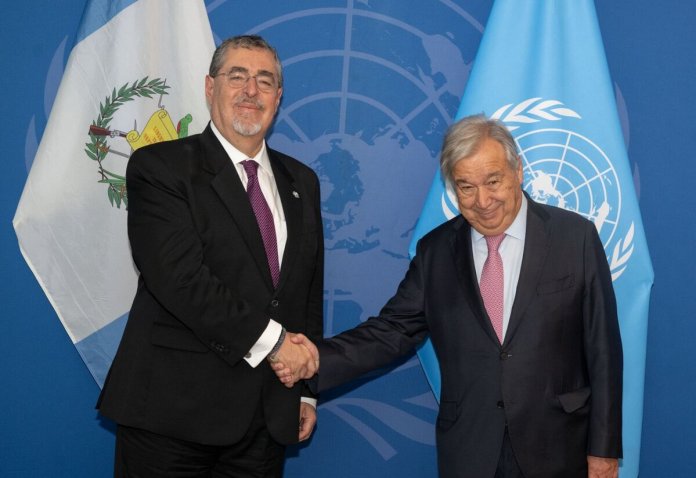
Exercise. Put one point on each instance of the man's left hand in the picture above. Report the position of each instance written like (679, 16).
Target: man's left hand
(308, 418)
(599, 467)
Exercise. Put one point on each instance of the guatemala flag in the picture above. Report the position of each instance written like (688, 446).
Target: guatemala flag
(541, 70)
(135, 76)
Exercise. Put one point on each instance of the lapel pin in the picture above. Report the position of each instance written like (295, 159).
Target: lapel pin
(296, 195)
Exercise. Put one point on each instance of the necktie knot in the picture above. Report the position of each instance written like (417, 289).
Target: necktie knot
(493, 242)
(250, 167)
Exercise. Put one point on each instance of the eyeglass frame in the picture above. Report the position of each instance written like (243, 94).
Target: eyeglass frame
(244, 73)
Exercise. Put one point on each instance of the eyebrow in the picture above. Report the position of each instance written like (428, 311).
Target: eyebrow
(241, 69)
(487, 178)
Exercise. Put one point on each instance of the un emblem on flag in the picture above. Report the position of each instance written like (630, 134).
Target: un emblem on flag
(567, 170)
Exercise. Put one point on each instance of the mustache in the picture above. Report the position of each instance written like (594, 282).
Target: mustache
(243, 98)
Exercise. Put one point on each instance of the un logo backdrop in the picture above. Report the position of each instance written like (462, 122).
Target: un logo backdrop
(370, 88)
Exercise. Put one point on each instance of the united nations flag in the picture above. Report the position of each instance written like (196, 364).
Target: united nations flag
(541, 70)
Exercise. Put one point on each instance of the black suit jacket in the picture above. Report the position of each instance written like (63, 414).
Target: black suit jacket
(556, 381)
(205, 295)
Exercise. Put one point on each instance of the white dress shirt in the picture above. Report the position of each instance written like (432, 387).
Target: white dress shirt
(511, 251)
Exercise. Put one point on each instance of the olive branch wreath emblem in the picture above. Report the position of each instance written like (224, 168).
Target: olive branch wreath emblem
(98, 147)
(534, 110)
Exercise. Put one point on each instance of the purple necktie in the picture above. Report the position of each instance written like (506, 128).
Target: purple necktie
(264, 218)
(492, 284)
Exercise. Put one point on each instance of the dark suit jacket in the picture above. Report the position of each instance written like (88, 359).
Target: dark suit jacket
(205, 295)
(555, 381)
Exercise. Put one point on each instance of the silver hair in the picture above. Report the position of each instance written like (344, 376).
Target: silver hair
(243, 41)
(464, 138)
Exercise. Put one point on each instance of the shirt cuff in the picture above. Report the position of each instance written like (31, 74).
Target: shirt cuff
(265, 344)
(310, 401)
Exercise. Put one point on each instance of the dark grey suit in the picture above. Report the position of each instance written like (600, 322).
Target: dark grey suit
(205, 295)
(555, 381)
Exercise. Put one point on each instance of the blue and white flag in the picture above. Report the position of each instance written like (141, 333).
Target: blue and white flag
(135, 76)
(541, 70)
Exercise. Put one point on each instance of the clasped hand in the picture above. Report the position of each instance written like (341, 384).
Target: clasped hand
(297, 359)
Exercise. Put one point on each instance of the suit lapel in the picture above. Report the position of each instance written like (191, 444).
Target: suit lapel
(463, 254)
(536, 247)
(292, 209)
(229, 188)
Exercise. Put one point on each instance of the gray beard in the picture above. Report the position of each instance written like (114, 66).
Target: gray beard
(245, 129)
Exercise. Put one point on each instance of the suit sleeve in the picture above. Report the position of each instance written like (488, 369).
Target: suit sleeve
(603, 351)
(380, 340)
(169, 254)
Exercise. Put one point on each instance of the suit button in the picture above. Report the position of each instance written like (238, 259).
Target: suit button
(505, 356)
(500, 404)
(218, 347)
(274, 303)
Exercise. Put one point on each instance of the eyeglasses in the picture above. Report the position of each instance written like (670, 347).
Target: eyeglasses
(265, 82)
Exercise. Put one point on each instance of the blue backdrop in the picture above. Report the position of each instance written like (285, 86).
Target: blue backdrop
(370, 88)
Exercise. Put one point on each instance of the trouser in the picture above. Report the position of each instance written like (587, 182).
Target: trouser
(143, 454)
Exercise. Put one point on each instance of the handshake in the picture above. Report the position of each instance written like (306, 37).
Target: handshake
(295, 360)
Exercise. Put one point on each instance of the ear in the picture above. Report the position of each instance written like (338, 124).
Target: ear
(279, 95)
(209, 87)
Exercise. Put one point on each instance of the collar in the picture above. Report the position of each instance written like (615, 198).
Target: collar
(237, 156)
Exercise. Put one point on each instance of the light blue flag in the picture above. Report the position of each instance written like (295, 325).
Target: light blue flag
(135, 76)
(541, 70)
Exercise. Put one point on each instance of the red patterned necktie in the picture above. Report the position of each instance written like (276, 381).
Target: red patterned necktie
(264, 218)
(492, 284)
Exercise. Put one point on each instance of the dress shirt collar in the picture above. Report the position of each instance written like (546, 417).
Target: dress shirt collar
(237, 156)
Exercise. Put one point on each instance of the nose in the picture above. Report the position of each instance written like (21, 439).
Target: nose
(483, 197)
(250, 87)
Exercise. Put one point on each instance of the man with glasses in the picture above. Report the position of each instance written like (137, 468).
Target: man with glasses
(227, 236)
